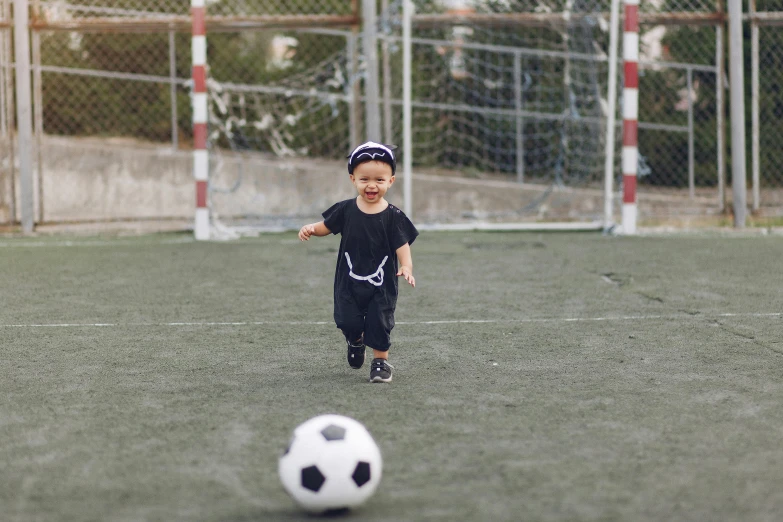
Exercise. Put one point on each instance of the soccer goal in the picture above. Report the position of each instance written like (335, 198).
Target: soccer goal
(500, 116)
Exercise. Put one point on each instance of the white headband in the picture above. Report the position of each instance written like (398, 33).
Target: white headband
(371, 151)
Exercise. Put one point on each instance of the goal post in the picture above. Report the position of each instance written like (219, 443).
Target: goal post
(611, 115)
(474, 101)
(201, 228)
(630, 155)
(407, 120)
(551, 127)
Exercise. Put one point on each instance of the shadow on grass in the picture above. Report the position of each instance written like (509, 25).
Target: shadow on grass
(293, 514)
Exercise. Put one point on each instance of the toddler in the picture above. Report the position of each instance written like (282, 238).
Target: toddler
(376, 240)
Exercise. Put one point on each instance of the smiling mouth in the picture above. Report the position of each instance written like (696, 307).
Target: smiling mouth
(371, 194)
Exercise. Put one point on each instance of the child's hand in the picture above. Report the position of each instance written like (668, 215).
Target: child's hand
(306, 231)
(405, 272)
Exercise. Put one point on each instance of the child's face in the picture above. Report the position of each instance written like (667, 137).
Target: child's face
(372, 179)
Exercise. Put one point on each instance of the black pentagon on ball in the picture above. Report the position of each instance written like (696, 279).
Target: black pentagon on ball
(312, 478)
(333, 432)
(361, 475)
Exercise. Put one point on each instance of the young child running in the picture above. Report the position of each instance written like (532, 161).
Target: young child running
(376, 241)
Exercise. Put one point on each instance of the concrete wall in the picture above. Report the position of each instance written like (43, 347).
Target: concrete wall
(94, 180)
(6, 181)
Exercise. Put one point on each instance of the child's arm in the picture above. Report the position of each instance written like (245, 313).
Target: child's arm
(313, 229)
(406, 264)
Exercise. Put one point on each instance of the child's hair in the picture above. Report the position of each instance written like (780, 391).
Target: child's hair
(372, 151)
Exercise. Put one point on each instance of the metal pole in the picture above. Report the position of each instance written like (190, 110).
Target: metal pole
(519, 119)
(611, 116)
(356, 95)
(754, 108)
(721, 120)
(372, 113)
(24, 113)
(4, 69)
(38, 119)
(173, 88)
(407, 113)
(356, 92)
(691, 160)
(388, 128)
(38, 111)
(737, 79)
(630, 154)
(6, 177)
(9, 108)
(200, 117)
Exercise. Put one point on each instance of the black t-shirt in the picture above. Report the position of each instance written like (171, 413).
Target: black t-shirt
(368, 248)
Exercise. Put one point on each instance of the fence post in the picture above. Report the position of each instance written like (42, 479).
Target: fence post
(388, 120)
(38, 119)
(5, 67)
(407, 112)
(355, 103)
(173, 88)
(8, 109)
(370, 41)
(24, 112)
(519, 119)
(691, 160)
(755, 105)
(721, 111)
(736, 80)
(38, 111)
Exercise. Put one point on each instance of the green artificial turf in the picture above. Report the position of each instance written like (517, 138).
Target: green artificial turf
(537, 377)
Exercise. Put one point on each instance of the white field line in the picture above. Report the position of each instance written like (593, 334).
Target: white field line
(92, 243)
(446, 321)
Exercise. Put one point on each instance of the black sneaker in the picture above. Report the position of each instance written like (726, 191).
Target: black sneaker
(381, 371)
(356, 354)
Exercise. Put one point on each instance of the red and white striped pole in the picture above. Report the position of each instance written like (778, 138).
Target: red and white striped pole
(200, 154)
(630, 156)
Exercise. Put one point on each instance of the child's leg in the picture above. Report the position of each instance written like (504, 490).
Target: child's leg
(378, 324)
(350, 319)
(377, 332)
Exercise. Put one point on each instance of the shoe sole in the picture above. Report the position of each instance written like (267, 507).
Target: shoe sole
(380, 379)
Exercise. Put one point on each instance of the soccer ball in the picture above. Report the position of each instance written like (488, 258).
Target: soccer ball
(332, 463)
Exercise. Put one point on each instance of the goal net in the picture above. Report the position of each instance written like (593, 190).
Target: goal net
(508, 117)
(275, 144)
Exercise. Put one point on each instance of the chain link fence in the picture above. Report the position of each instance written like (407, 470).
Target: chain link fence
(282, 7)
(510, 93)
(115, 84)
(766, 75)
(70, 9)
(678, 108)
(62, 10)
(770, 109)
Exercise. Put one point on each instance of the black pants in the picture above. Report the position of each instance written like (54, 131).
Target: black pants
(366, 311)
